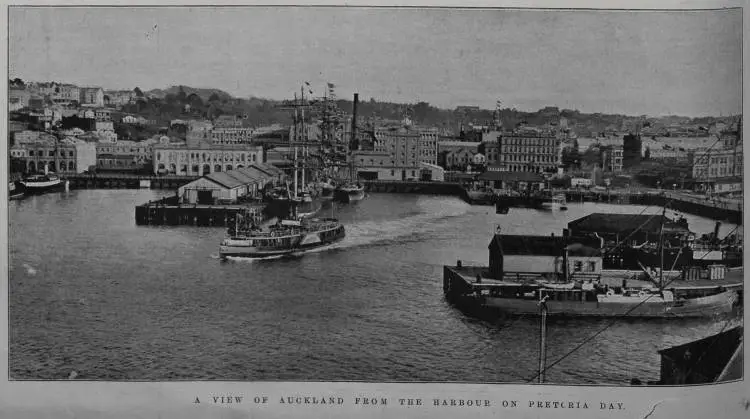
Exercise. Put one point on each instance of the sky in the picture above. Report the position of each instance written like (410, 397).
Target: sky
(650, 62)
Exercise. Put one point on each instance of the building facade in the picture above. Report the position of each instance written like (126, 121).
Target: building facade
(202, 159)
(18, 99)
(123, 155)
(714, 164)
(67, 156)
(92, 96)
(528, 152)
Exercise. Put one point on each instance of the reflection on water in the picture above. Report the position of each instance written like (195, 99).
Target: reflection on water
(92, 292)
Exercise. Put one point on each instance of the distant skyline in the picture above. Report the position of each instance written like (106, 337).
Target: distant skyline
(654, 63)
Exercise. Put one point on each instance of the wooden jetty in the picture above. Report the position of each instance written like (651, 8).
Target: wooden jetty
(168, 211)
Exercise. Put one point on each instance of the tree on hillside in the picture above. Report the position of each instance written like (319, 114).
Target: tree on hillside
(214, 97)
(138, 92)
(181, 95)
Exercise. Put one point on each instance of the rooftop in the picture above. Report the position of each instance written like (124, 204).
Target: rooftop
(511, 176)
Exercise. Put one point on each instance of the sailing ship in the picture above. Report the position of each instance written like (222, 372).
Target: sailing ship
(287, 237)
(352, 190)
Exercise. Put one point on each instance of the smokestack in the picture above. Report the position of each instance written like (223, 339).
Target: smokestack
(354, 144)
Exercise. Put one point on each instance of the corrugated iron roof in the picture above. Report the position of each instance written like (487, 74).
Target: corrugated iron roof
(223, 179)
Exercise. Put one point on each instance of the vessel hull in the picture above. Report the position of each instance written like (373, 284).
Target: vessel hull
(710, 306)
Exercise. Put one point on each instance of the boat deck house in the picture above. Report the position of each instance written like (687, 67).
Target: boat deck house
(545, 256)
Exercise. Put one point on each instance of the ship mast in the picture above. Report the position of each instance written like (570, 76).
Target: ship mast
(661, 247)
(353, 137)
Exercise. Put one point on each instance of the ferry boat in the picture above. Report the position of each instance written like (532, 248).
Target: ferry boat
(41, 183)
(285, 238)
(350, 192)
(555, 203)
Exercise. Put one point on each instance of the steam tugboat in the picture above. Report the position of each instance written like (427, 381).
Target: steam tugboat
(289, 236)
(41, 183)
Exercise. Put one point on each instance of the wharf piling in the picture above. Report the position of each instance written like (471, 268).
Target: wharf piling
(168, 211)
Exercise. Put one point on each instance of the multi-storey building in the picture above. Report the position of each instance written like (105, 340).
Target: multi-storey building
(124, 155)
(65, 94)
(198, 159)
(18, 99)
(92, 96)
(528, 151)
(65, 156)
(612, 158)
(118, 97)
(397, 153)
(709, 165)
(231, 136)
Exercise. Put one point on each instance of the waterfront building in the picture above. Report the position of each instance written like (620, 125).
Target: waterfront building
(452, 153)
(92, 96)
(65, 156)
(555, 257)
(220, 135)
(201, 158)
(709, 165)
(528, 151)
(64, 94)
(497, 178)
(123, 155)
(228, 186)
(398, 153)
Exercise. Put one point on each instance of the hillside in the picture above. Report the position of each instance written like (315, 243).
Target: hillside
(170, 103)
(204, 93)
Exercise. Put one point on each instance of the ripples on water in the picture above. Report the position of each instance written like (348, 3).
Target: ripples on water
(93, 293)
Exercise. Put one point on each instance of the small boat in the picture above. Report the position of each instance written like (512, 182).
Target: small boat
(555, 202)
(287, 237)
(327, 190)
(350, 192)
(16, 190)
(41, 183)
(480, 196)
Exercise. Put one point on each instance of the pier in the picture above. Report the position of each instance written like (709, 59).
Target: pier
(125, 181)
(167, 211)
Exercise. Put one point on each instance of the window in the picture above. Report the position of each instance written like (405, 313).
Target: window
(31, 152)
(70, 153)
(592, 266)
(51, 153)
(578, 266)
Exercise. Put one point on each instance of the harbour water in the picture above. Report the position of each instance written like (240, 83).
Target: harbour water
(91, 292)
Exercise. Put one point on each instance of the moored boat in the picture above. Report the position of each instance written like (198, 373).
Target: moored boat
(41, 183)
(555, 202)
(350, 192)
(16, 190)
(583, 299)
